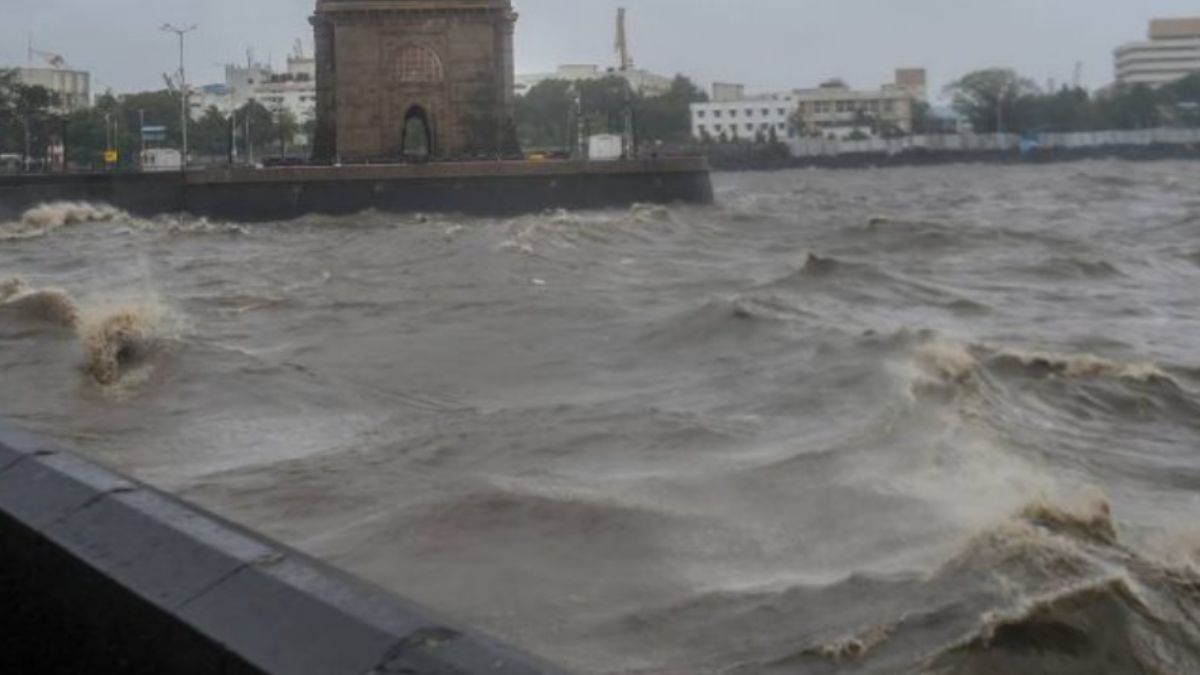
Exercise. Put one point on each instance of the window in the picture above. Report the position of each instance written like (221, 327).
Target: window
(749, 113)
(766, 112)
(717, 114)
(418, 64)
(783, 111)
(719, 127)
(749, 127)
(733, 113)
(782, 126)
(700, 128)
(700, 114)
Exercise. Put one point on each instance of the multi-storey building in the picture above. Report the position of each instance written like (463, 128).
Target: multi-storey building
(1172, 52)
(831, 109)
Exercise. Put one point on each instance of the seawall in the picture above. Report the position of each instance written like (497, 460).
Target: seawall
(776, 158)
(102, 574)
(487, 188)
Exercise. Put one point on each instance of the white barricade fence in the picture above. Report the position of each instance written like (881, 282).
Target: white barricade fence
(824, 147)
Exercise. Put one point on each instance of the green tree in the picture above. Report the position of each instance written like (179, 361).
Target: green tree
(545, 115)
(208, 137)
(256, 130)
(1129, 107)
(668, 117)
(1180, 101)
(993, 98)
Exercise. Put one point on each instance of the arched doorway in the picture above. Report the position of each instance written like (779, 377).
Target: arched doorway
(416, 139)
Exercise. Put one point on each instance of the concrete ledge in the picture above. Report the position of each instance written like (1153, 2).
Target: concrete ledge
(284, 193)
(102, 574)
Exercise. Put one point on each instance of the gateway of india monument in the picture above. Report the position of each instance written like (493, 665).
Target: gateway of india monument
(401, 79)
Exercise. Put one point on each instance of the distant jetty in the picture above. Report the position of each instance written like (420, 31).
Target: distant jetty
(484, 188)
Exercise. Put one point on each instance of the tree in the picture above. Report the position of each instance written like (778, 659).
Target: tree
(990, 99)
(8, 83)
(28, 118)
(1128, 107)
(546, 115)
(256, 129)
(668, 117)
(1181, 100)
(209, 135)
(285, 129)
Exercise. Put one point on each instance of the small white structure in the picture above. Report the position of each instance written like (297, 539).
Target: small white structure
(161, 159)
(605, 147)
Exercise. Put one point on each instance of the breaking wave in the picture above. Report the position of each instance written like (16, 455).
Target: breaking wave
(1082, 601)
(950, 361)
(117, 337)
(49, 305)
(46, 218)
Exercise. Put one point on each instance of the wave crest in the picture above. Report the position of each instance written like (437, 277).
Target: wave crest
(46, 218)
(50, 305)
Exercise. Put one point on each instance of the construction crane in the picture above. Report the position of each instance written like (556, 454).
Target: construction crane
(623, 42)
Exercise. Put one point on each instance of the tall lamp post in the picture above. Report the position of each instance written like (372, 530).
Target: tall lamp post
(183, 90)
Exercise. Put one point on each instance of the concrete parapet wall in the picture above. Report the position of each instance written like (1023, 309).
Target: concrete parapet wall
(101, 574)
(491, 188)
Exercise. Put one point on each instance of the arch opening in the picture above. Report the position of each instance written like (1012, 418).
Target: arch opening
(416, 137)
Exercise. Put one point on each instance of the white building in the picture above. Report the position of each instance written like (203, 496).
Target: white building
(745, 119)
(833, 109)
(74, 87)
(294, 91)
(641, 81)
(1171, 53)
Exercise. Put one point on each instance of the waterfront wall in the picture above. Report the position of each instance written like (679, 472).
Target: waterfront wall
(1149, 144)
(487, 188)
(1003, 143)
(101, 574)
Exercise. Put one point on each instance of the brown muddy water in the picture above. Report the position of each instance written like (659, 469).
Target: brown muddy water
(938, 420)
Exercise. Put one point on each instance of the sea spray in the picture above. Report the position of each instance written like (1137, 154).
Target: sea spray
(117, 337)
(116, 342)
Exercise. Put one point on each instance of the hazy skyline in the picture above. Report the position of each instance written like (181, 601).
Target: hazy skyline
(766, 44)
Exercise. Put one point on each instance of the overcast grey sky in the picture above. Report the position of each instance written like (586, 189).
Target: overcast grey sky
(767, 44)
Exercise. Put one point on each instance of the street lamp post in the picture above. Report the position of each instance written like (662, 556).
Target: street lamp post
(183, 91)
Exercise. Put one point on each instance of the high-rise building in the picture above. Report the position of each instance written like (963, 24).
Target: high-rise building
(1172, 52)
